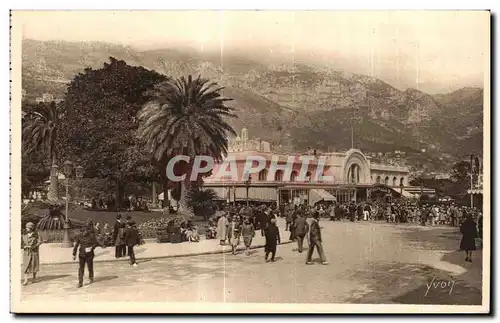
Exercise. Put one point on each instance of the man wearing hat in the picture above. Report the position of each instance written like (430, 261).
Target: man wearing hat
(131, 238)
(272, 234)
(86, 242)
(315, 241)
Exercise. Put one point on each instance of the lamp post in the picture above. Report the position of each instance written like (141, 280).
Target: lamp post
(422, 176)
(68, 169)
(471, 181)
(247, 185)
(79, 176)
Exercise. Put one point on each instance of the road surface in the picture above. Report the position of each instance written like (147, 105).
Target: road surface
(369, 263)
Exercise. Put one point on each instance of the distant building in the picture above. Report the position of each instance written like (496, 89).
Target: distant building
(353, 176)
(45, 98)
(243, 143)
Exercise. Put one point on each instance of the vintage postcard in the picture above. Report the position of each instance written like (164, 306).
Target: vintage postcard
(250, 162)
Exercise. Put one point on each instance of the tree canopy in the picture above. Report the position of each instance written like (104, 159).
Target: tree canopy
(101, 107)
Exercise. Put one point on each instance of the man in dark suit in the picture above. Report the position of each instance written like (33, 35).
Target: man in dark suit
(272, 234)
(118, 230)
(315, 241)
(301, 228)
(85, 244)
(131, 238)
(261, 218)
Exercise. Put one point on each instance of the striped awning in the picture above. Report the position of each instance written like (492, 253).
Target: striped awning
(316, 195)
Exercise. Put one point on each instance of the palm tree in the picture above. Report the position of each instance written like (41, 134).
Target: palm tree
(185, 117)
(202, 202)
(40, 132)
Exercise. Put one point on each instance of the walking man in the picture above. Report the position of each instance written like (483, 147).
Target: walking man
(131, 238)
(301, 228)
(289, 219)
(261, 219)
(86, 242)
(118, 231)
(315, 241)
(272, 234)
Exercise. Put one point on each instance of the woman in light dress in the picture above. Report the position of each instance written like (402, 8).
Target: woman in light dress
(30, 244)
(234, 233)
(248, 232)
(222, 229)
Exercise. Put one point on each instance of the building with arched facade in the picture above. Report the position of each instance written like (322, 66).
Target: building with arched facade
(344, 176)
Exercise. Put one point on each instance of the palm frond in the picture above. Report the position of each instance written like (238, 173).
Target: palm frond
(40, 129)
(186, 116)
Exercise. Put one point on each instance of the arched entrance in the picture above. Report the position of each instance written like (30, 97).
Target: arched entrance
(356, 168)
(353, 174)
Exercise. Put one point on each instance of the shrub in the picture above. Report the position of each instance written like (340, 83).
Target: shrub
(202, 202)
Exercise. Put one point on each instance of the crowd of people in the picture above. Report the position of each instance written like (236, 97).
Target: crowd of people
(108, 203)
(235, 223)
(398, 211)
(237, 220)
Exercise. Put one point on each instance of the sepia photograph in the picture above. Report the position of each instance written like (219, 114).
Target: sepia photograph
(250, 161)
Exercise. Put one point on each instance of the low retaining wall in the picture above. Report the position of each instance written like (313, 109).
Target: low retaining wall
(55, 236)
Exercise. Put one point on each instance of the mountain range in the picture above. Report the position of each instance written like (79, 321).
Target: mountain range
(294, 106)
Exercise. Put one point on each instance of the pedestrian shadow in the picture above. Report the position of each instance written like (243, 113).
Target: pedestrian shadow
(457, 257)
(437, 238)
(104, 278)
(47, 278)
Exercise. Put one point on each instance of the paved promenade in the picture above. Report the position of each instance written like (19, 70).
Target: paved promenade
(370, 263)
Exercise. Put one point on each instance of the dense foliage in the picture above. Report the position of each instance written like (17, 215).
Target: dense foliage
(202, 202)
(99, 134)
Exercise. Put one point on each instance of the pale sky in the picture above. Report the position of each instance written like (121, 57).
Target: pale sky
(431, 51)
